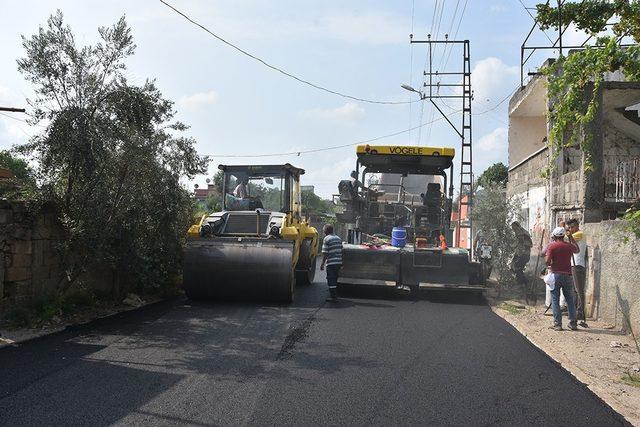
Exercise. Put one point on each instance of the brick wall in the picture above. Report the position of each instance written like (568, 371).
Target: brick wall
(527, 174)
(29, 263)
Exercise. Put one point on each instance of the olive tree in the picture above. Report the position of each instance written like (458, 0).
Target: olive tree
(492, 215)
(111, 156)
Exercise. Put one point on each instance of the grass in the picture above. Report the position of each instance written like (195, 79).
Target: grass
(631, 379)
(43, 309)
(510, 308)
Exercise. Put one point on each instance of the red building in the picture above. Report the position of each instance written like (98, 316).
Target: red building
(465, 233)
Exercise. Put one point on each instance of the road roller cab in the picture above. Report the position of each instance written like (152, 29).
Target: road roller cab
(259, 245)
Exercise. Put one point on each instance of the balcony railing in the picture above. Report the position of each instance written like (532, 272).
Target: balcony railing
(622, 179)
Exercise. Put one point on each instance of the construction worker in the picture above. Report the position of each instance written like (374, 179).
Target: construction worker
(332, 258)
(559, 254)
(241, 191)
(578, 268)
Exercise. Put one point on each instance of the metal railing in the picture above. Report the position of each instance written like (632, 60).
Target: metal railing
(527, 50)
(622, 179)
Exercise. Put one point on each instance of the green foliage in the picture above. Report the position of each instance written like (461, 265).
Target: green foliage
(573, 82)
(19, 317)
(497, 174)
(632, 226)
(514, 310)
(592, 15)
(213, 203)
(631, 378)
(18, 167)
(311, 202)
(110, 158)
(23, 182)
(493, 212)
(271, 197)
(44, 308)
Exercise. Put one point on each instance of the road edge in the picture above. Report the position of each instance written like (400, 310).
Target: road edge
(578, 374)
(68, 327)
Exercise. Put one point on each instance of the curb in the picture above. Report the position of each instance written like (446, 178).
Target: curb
(71, 326)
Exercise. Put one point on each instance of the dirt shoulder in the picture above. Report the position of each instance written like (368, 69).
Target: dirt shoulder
(599, 356)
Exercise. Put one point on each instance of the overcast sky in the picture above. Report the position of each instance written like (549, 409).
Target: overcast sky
(236, 106)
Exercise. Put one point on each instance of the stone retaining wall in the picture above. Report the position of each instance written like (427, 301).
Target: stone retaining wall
(29, 262)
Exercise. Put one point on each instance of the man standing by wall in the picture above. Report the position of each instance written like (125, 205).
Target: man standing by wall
(559, 254)
(522, 252)
(332, 258)
(579, 268)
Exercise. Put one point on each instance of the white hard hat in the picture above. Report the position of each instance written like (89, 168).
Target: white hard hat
(558, 232)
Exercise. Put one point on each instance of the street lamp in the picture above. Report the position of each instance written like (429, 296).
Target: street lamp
(411, 89)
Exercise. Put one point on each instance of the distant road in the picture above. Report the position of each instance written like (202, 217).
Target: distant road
(370, 359)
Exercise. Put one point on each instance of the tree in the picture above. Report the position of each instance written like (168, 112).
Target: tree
(23, 182)
(573, 82)
(110, 157)
(213, 202)
(492, 214)
(497, 174)
(312, 202)
(18, 167)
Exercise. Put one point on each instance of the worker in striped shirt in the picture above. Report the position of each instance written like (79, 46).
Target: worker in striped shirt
(332, 258)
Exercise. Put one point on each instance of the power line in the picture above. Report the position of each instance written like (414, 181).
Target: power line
(455, 36)
(534, 18)
(495, 107)
(280, 70)
(440, 19)
(413, 8)
(335, 147)
(11, 117)
(499, 103)
(433, 16)
(21, 120)
(15, 118)
(426, 59)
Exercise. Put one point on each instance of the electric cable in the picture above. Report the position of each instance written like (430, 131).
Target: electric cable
(335, 147)
(455, 36)
(413, 8)
(19, 128)
(280, 70)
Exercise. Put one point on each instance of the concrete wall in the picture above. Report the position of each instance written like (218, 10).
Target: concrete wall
(527, 121)
(527, 135)
(29, 265)
(610, 264)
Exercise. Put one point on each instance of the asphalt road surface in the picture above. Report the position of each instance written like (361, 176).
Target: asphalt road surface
(371, 359)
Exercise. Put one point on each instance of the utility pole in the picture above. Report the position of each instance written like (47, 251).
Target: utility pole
(432, 85)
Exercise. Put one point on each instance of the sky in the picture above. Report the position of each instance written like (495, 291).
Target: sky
(236, 106)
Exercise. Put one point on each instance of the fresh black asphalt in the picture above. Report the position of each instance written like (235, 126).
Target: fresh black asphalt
(371, 359)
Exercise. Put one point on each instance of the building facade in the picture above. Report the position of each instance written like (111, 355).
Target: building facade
(603, 193)
(596, 197)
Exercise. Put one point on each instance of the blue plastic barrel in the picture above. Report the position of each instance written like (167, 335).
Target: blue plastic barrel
(398, 237)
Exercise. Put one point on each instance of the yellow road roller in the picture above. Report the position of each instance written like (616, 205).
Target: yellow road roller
(259, 245)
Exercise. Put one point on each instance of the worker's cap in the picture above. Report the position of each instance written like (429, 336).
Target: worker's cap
(558, 232)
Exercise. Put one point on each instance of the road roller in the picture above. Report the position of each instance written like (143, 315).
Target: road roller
(402, 190)
(259, 245)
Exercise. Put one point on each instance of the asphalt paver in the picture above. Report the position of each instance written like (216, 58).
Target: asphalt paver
(373, 358)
